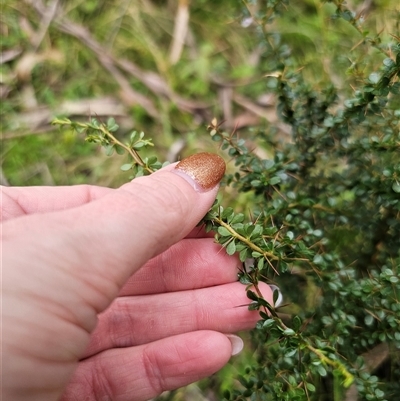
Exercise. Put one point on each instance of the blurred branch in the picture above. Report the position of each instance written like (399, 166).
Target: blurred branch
(37, 120)
(153, 81)
(123, 8)
(180, 31)
(3, 179)
(246, 111)
(47, 17)
(9, 55)
(129, 95)
(225, 99)
(365, 8)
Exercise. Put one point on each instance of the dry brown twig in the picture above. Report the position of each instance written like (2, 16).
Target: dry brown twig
(180, 31)
(47, 18)
(38, 120)
(154, 82)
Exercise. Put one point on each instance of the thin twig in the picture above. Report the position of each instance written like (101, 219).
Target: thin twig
(47, 18)
(180, 31)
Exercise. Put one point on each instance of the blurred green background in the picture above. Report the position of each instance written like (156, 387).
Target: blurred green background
(166, 68)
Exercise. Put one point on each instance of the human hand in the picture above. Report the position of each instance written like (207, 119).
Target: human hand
(112, 294)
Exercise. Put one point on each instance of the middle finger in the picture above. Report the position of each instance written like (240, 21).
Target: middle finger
(191, 263)
(138, 320)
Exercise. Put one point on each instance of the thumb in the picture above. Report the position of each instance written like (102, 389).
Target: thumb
(149, 214)
(107, 240)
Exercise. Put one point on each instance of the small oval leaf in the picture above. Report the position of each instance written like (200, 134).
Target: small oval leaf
(126, 167)
(231, 248)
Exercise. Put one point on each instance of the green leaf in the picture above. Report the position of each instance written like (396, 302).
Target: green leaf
(119, 150)
(268, 323)
(388, 62)
(245, 279)
(296, 321)
(374, 77)
(290, 235)
(109, 149)
(347, 15)
(126, 167)
(231, 248)
(274, 180)
(224, 232)
(289, 332)
(251, 295)
(321, 370)
(395, 88)
(290, 352)
(227, 214)
(249, 229)
(112, 126)
(255, 183)
(369, 320)
(396, 187)
(268, 164)
(243, 255)
(140, 172)
(133, 136)
(150, 160)
(238, 218)
(138, 145)
(254, 306)
(258, 230)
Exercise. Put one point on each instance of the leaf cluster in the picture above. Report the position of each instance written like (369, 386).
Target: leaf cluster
(102, 134)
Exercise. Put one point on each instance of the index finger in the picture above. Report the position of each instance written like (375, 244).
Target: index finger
(20, 201)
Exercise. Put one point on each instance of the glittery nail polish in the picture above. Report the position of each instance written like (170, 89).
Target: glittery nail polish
(202, 170)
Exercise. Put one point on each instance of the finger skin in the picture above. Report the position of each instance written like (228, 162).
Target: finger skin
(189, 264)
(140, 373)
(101, 244)
(111, 225)
(134, 321)
(20, 201)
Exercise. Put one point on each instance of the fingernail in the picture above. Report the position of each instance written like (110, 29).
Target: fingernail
(237, 343)
(203, 170)
(279, 300)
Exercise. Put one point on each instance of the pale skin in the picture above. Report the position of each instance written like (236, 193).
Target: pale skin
(114, 294)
